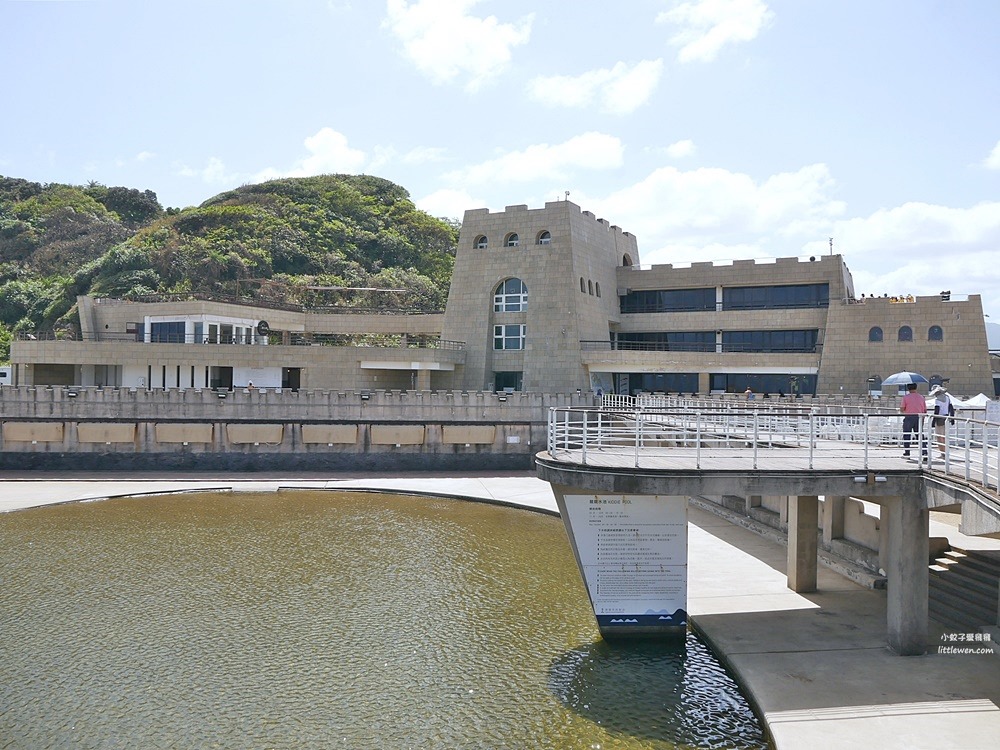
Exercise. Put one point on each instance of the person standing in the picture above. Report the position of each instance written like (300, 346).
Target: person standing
(944, 408)
(912, 407)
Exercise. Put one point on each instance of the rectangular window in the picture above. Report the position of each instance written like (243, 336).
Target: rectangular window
(507, 381)
(508, 337)
(775, 297)
(167, 333)
(770, 341)
(678, 341)
(660, 382)
(668, 300)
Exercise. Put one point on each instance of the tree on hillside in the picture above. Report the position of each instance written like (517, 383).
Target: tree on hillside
(135, 208)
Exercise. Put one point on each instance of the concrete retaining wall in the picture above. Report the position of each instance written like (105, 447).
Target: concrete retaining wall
(268, 430)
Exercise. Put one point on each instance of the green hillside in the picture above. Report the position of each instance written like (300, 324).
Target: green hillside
(286, 239)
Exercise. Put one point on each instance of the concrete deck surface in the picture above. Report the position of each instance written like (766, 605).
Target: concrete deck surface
(815, 665)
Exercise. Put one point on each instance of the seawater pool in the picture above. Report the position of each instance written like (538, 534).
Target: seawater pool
(308, 619)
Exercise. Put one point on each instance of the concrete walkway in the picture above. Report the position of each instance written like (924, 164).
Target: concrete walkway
(815, 665)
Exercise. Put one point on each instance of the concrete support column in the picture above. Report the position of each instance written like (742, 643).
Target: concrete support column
(833, 518)
(423, 380)
(803, 520)
(883, 538)
(907, 574)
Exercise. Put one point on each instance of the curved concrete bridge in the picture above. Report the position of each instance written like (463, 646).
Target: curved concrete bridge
(599, 456)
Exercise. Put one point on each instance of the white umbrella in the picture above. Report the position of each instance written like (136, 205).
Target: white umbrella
(904, 378)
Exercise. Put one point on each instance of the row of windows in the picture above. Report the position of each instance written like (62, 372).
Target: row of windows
(795, 341)
(512, 239)
(905, 333)
(687, 382)
(512, 295)
(175, 332)
(668, 300)
(770, 297)
(733, 298)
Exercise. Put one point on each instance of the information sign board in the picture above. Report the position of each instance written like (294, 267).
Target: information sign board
(633, 549)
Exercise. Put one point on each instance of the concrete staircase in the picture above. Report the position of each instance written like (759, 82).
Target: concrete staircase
(964, 587)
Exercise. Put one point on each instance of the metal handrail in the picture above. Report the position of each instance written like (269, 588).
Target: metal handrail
(964, 448)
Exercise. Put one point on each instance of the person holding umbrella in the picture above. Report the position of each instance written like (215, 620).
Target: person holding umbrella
(912, 406)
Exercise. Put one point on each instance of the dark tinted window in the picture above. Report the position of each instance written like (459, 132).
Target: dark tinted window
(668, 300)
(770, 341)
(767, 297)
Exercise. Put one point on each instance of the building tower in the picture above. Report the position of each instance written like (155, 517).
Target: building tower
(529, 289)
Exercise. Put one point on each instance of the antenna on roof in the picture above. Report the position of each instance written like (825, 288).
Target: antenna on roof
(567, 195)
(831, 246)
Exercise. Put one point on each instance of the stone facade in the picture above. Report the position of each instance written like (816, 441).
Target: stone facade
(566, 326)
(960, 355)
(567, 258)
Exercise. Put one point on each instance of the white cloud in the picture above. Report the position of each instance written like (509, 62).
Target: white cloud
(706, 26)
(328, 153)
(673, 209)
(449, 204)
(544, 161)
(920, 249)
(716, 215)
(446, 43)
(619, 90)
(213, 173)
(139, 158)
(424, 155)
(681, 149)
(993, 160)
(383, 155)
(923, 231)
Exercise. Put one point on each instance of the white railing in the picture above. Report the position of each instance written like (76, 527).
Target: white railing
(965, 448)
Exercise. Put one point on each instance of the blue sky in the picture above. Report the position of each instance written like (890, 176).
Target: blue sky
(711, 129)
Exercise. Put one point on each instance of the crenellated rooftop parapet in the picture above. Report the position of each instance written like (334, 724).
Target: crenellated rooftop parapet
(784, 263)
(479, 214)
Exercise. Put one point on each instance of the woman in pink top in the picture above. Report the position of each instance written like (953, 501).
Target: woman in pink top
(912, 406)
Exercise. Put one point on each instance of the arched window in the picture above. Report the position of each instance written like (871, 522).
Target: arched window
(544, 238)
(875, 334)
(905, 333)
(626, 260)
(512, 240)
(934, 333)
(480, 242)
(510, 296)
(583, 285)
(597, 288)
(590, 287)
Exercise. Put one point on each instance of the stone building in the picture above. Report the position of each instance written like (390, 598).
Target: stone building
(542, 300)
